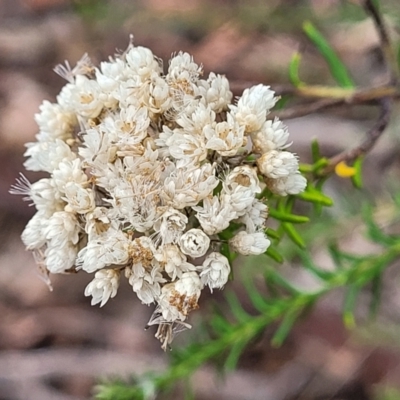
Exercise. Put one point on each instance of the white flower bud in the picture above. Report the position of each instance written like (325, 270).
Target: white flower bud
(103, 287)
(159, 99)
(68, 171)
(227, 137)
(278, 164)
(243, 175)
(293, 184)
(142, 62)
(145, 282)
(255, 216)
(179, 298)
(215, 92)
(79, 199)
(215, 215)
(250, 243)
(171, 225)
(194, 243)
(272, 136)
(46, 196)
(189, 284)
(238, 199)
(46, 156)
(174, 262)
(252, 107)
(187, 147)
(111, 247)
(60, 259)
(62, 229)
(182, 67)
(215, 271)
(34, 234)
(82, 97)
(55, 122)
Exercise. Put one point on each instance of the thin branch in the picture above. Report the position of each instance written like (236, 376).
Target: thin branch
(365, 96)
(305, 109)
(377, 18)
(372, 136)
(386, 103)
(384, 38)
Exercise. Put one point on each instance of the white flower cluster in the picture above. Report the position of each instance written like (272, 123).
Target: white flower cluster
(146, 167)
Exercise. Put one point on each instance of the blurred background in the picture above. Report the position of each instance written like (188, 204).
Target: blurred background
(54, 345)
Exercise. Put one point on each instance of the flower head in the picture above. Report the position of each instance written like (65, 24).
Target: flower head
(145, 172)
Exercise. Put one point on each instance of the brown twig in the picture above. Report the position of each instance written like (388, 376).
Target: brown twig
(386, 47)
(365, 96)
(371, 138)
(305, 109)
(386, 102)
(326, 97)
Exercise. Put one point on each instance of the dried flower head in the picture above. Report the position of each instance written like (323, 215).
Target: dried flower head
(146, 168)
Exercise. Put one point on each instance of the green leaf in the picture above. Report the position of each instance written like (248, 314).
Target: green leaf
(314, 196)
(293, 234)
(236, 308)
(119, 390)
(294, 70)
(398, 57)
(217, 189)
(336, 255)
(285, 217)
(189, 392)
(349, 306)
(230, 255)
(318, 186)
(351, 257)
(272, 276)
(234, 355)
(321, 163)
(259, 302)
(219, 324)
(377, 5)
(357, 177)
(337, 68)
(315, 151)
(396, 199)
(274, 254)
(374, 231)
(305, 168)
(309, 265)
(281, 103)
(272, 233)
(229, 232)
(284, 328)
(376, 294)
